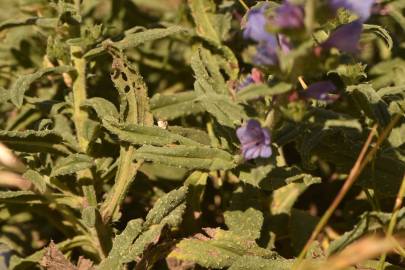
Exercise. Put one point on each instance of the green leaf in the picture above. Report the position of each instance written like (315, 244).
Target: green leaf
(39, 21)
(388, 73)
(132, 90)
(285, 197)
(165, 206)
(166, 213)
(243, 215)
(89, 216)
(212, 90)
(104, 109)
(121, 245)
(32, 141)
(220, 249)
(394, 96)
(204, 18)
(71, 164)
(192, 133)
(37, 179)
(350, 73)
(253, 262)
(169, 107)
(133, 40)
(141, 135)
(261, 90)
(222, 108)
(369, 222)
(213, 28)
(23, 83)
(146, 239)
(191, 157)
(379, 32)
(370, 102)
(29, 197)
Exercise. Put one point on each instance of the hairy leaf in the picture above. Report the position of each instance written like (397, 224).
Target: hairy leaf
(191, 157)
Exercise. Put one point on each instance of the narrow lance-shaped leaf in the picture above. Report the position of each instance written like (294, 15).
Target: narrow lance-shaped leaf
(262, 90)
(43, 22)
(134, 110)
(104, 109)
(32, 141)
(37, 179)
(140, 135)
(219, 250)
(121, 245)
(22, 84)
(380, 32)
(166, 213)
(135, 39)
(191, 157)
(169, 107)
(71, 164)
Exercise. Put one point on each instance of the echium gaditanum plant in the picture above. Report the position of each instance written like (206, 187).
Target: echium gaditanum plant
(202, 134)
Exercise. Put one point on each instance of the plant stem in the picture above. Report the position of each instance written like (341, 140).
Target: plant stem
(393, 221)
(244, 5)
(79, 96)
(80, 117)
(362, 160)
(126, 172)
(302, 82)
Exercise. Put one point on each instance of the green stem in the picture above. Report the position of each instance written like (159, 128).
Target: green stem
(80, 118)
(393, 221)
(79, 96)
(126, 172)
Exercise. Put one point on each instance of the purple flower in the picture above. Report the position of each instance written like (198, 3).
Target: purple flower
(361, 7)
(284, 43)
(289, 16)
(345, 38)
(320, 91)
(266, 55)
(255, 27)
(255, 140)
(255, 77)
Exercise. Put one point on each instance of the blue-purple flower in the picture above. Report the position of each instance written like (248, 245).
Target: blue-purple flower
(345, 38)
(321, 91)
(360, 7)
(255, 77)
(266, 54)
(289, 16)
(255, 140)
(255, 28)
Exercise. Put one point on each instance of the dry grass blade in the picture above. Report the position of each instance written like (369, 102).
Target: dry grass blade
(362, 250)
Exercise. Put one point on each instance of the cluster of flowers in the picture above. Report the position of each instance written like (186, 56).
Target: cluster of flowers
(255, 140)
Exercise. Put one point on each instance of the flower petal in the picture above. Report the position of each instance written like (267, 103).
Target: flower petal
(255, 28)
(289, 16)
(319, 91)
(345, 38)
